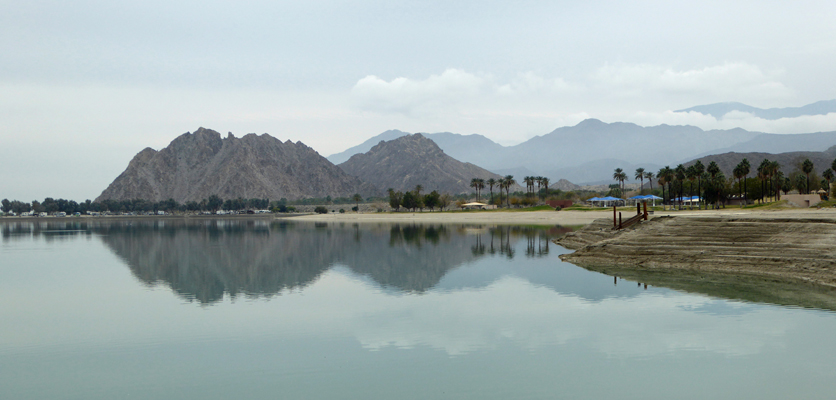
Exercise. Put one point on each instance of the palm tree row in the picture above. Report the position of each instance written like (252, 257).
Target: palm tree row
(478, 184)
(530, 181)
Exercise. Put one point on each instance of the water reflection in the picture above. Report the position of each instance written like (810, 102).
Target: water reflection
(205, 260)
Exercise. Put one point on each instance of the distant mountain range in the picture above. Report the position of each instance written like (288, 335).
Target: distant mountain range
(588, 152)
(718, 110)
(789, 161)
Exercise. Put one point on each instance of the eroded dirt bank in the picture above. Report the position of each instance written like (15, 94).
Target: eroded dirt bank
(786, 249)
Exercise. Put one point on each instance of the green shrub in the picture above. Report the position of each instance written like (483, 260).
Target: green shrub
(342, 211)
(320, 210)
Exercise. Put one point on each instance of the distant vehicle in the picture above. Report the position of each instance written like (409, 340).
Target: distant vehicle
(43, 214)
(250, 212)
(221, 212)
(61, 214)
(78, 214)
(93, 213)
(262, 211)
(160, 212)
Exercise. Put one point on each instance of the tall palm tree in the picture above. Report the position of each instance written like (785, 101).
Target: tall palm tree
(807, 168)
(474, 183)
(418, 189)
(664, 178)
(649, 175)
(828, 174)
(529, 184)
(745, 168)
(640, 176)
(491, 182)
(691, 174)
(509, 181)
(699, 168)
(737, 172)
(480, 184)
(539, 180)
(680, 178)
(545, 186)
(713, 170)
(616, 176)
(774, 171)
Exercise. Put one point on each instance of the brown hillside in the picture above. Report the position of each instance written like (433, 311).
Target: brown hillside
(197, 165)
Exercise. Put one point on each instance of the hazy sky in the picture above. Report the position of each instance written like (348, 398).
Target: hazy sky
(85, 85)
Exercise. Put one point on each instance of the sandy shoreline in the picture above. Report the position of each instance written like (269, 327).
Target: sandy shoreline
(565, 218)
(784, 245)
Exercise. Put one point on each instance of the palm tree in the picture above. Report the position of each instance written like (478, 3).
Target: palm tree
(745, 169)
(418, 189)
(737, 172)
(474, 183)
(480, 184)
(807, 168)
(640, 176)
(616, 176)
(664, 176)
(539, 180)
(774, 171)
(649, 175)
(680, 178)
(700, 170)
(529, 183)
(357, 198)
(714, 169)
(545, 186)
(691, 174)
(501, 183)
(828, 174)
(491, 182)
(509, 181)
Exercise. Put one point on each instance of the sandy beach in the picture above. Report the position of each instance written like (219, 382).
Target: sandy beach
(565, 218)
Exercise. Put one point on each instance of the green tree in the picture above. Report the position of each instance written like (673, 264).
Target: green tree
(699, 169)
(807, 168)
(7, 205)
(411, 201)
(357, 198)
(649, 175)
(640, 176)
(714, 172)
(444, 201)
(214, 202)
(491, 183)
(680, 180)
(395, 199)
(432, 200)
(509, 181)
(320, 210)
(545, 182)
(745, 168)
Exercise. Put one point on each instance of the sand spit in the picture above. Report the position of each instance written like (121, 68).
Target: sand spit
(564, 218)
(779, 246)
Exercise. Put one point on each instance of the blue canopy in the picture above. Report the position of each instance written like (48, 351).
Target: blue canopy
(610, 198)
(593, 199)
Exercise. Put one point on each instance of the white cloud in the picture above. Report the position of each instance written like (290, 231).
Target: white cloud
(736, 119)
(730, 81)
(407, 96)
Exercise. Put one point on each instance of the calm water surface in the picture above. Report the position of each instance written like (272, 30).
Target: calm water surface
(220, 309)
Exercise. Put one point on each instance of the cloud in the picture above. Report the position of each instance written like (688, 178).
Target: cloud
(411, 97)
(456, 92)
(736, 119)
(729, 81)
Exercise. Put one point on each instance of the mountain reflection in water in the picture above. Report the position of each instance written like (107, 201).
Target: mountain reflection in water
(205, 260)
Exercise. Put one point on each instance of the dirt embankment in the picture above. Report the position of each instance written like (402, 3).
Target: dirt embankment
(795, 249)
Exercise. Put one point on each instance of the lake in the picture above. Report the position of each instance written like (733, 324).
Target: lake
(221, 309)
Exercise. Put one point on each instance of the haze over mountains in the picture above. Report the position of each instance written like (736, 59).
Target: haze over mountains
(718, 110)
(588, 152)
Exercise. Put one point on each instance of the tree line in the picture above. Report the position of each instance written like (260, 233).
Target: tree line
(714, 187)
(213, 203)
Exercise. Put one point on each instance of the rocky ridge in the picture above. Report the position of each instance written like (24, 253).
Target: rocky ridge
(412, 160)
(196, 165)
